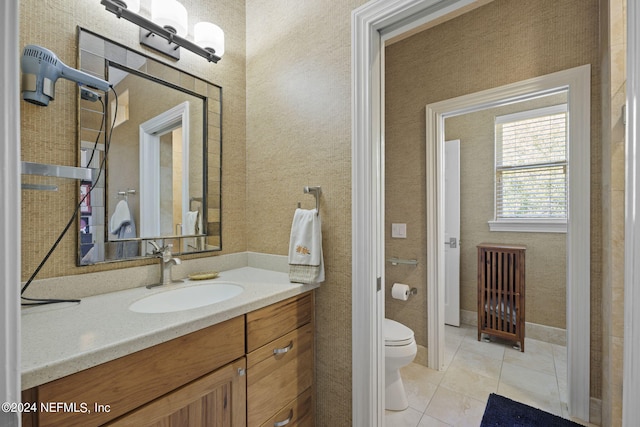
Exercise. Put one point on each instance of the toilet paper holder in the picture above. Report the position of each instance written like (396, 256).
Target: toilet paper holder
(402, 292)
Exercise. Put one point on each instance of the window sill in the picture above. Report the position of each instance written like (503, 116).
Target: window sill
(529, 226)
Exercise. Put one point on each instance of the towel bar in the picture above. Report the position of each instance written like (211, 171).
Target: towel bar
(396, 261)
(126, 193)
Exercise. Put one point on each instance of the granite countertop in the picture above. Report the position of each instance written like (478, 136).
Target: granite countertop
(63, 339)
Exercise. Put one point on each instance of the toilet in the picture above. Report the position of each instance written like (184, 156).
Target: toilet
(399, 350)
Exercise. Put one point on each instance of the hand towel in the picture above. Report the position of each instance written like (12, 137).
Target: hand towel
(192, 223)
(121, 215)
(122, 225)
(192, 226)
(306, 264)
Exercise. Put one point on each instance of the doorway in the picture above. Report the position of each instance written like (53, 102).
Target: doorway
(576, 84)
(373, 24)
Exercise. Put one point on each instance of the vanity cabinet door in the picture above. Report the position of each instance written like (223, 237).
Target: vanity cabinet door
(217, 399)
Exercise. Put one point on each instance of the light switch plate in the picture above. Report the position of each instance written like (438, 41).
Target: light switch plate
(399, 231)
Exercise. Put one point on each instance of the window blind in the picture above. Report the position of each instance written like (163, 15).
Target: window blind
(531, 164)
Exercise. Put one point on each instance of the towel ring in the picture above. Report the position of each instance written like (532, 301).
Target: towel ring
(316, 191)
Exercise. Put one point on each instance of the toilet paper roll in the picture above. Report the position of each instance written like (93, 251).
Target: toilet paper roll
(400, 291)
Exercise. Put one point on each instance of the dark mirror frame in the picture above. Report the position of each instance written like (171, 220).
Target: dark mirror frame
(95, 55)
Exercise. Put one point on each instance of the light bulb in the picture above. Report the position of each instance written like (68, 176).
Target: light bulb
(133, 5)
(170, 14)
(209, 36)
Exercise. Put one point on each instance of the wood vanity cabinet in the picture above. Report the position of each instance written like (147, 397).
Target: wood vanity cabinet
(280, 364)
(211, 377)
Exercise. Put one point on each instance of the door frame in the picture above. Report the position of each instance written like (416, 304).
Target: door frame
(150, 132)
(577, 83)
(631, 387)
(10, 210)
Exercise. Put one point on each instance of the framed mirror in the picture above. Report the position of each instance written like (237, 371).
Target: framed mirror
(161, 134)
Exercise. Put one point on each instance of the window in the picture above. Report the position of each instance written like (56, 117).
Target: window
(531, 171)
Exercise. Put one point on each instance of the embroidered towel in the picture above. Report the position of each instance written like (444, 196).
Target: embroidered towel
(306, 264)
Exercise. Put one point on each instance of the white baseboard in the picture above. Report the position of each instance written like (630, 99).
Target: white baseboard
(532, 330)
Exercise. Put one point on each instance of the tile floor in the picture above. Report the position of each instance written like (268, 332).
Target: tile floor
(458, 395)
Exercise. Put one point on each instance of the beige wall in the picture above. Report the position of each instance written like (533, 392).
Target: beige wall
(49, 134)
(502, 42)
(545, 281)
(299, 133)
(614, 31)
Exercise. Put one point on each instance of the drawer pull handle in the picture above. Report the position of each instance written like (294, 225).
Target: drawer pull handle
(284, 422)
(283, 350)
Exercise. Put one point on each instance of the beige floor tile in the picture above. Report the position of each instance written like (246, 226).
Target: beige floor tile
(532, 359)
(529, 380)
(478, 362)
(492, 350)
(469, 383)
(541, 401)
(407, 418)
(428, 421)
(452, 332)
(419, 372)
(538, 347)
(419, 391)
(559, 352)
(455, 408)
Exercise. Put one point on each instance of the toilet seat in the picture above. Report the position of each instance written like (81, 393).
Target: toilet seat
(396, 334)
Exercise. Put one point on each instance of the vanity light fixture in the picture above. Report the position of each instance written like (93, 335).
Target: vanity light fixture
(167, 29)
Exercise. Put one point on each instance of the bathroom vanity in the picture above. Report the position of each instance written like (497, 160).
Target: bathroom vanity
(252, 365)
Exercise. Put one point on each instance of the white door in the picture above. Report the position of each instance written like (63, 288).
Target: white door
(452, 232)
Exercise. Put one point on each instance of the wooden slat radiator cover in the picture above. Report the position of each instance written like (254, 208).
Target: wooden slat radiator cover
(501, 291)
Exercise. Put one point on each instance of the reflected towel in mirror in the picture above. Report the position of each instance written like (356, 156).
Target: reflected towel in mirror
(122, 225)
(121, 215)
(192, 223)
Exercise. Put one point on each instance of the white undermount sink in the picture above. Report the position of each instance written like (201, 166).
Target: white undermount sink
(186, 298)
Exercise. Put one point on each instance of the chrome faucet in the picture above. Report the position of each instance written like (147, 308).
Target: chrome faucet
(166, 261)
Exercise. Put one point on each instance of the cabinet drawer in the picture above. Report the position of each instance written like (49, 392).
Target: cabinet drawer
(277, 373)
(298, 413)
(128, 382)
(274, 321)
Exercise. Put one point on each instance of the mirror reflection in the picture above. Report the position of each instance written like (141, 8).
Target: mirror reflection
(162, 181)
